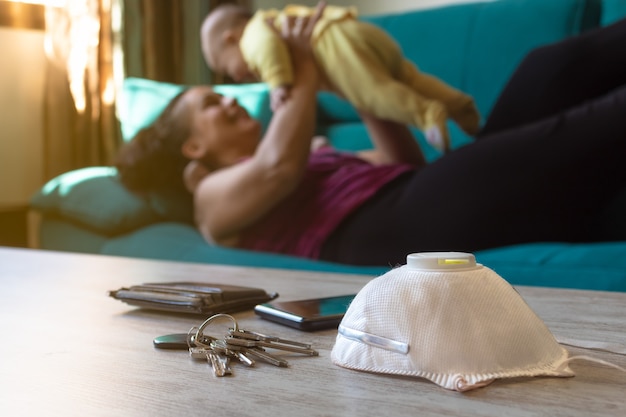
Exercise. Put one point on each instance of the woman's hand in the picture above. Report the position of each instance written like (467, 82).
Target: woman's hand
(278, 96)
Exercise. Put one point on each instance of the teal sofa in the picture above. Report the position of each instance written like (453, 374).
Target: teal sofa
(473, 46)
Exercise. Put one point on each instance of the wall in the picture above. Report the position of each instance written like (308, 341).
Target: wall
(21, 109)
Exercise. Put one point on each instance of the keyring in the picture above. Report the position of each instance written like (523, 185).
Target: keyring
(199, 337)
(191, 338)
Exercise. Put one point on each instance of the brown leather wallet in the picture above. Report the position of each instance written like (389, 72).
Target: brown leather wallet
(193, 297)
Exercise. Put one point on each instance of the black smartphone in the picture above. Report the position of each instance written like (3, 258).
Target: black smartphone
(310, 314)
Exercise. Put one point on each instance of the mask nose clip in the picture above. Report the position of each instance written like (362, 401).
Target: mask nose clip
(442, 261)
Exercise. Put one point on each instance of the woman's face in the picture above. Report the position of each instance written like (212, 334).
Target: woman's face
(222, 132)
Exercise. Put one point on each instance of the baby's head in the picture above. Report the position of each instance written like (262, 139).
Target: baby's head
(219, 37)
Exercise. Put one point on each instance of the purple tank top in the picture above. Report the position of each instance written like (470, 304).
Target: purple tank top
(334, 185)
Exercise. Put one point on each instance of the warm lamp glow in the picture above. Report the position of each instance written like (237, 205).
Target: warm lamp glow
(72, 40)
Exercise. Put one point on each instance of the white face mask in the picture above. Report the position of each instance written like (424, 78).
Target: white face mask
(446, 318)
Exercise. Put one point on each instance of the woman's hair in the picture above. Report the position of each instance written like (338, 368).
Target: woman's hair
(153, 159)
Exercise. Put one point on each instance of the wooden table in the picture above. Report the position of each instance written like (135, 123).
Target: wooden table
(68, 349)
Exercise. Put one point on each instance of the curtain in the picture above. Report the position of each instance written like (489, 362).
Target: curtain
(92, 45)
(80, 126)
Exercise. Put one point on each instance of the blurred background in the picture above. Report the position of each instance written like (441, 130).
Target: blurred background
(62, 63)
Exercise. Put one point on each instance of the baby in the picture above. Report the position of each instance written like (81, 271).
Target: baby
(359, 61)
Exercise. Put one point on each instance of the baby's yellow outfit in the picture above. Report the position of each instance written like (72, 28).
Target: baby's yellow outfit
(364, 65)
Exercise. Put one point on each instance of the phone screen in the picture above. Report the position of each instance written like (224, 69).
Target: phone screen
(309, 314)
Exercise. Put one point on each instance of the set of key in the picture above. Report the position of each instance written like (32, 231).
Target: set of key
(247, 347)
(244, 346)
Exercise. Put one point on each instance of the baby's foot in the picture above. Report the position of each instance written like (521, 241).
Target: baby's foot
(465, 114)
(437, 139)
(435, 128)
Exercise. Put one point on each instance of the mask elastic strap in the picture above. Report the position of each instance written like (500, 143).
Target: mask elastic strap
(566, 362)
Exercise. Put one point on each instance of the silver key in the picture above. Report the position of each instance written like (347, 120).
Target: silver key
(231, 340)
(219, 363)
(263, 355)
(243, 358)
(221, 347)
(247, 334)
(257, 352)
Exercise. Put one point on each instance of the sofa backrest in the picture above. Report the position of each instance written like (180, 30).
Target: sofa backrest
(612, 11)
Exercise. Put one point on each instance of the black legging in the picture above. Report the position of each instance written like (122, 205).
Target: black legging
(551, 157)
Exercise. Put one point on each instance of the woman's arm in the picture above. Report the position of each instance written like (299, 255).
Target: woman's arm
(393, 143)
(231, 199)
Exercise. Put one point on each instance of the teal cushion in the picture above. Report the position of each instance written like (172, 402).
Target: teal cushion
(94, 197)
(140, 103)
(612, 11)
(142, 100)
